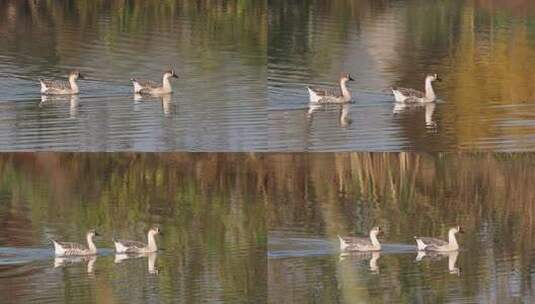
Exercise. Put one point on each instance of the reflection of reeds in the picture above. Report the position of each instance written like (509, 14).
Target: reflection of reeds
(218, 23)
(209, 205)
(489, 194)
(402, 189)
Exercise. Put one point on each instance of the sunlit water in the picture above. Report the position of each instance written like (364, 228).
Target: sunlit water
(213, 247)
(217, 49)
(483, 50)
(407, 195)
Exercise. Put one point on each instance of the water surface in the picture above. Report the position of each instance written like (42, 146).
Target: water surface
(213, 247)
(321, 196)
(483, 50)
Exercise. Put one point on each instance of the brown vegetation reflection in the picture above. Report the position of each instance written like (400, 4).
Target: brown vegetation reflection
(208, 205)
(322, 195)
(483, 49)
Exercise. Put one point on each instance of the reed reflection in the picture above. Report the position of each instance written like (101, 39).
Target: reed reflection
(322, 195)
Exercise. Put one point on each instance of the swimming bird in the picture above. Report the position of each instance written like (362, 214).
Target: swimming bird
(151, 87)
(318, 95)
(433, 244)
(61, 87)
(127, 246)
(362, 244)
(412, 95)
(71, 249)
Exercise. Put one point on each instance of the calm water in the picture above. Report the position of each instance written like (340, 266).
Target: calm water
(484, 51)
(244, 66)
(322, 195)
(217, 48)
(208, 206)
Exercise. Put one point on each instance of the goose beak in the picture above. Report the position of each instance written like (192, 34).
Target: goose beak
(80, 76)
(160, 232)
(351, 78)
(175, 75)
(461, 230)
(97, 234)
(438, 79)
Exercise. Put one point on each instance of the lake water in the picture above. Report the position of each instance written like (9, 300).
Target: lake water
(213, 247)
(483, 50)
(321, 196)
(244, 66)
(218, 49)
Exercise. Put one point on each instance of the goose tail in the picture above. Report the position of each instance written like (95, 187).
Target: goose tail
(313, 97)
(343, 243)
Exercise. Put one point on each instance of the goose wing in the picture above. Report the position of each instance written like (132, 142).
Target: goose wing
(149, 84)
(56, 84)
(133, 245)
(322, 92)
(355, 242)
(71, 246)
(433, 241)
(410, 93)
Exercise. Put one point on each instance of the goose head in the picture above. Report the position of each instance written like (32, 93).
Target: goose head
(433, 77)
(376, 231)
(170, 74)
(456, 230)
(155, 230)
(75, 74)
(346, 77)
(92, 233)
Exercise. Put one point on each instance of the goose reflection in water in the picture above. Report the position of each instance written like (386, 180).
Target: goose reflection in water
(356, 256)
(64, 261)
(73, 100)
(437, 256)
(168, 106)
(151, 259)
(343, 114)
(429, 107)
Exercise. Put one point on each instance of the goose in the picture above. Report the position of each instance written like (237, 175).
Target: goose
(151, 87)
(412, 95)
(432, 244)
(318, 95)
(127, 246)
(73, 249)
(362, 244)
(61, 87)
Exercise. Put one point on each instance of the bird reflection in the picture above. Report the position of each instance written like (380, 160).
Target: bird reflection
(436, 256)
(343, 115)
(151, 259)
(73, 100)
(71, 260)
(168, 106)
(429, 108)
(363, 256)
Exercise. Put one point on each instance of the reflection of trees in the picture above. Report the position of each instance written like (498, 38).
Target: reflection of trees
(67, 25)
(209, 206)
(489, 194)
(483, 49)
